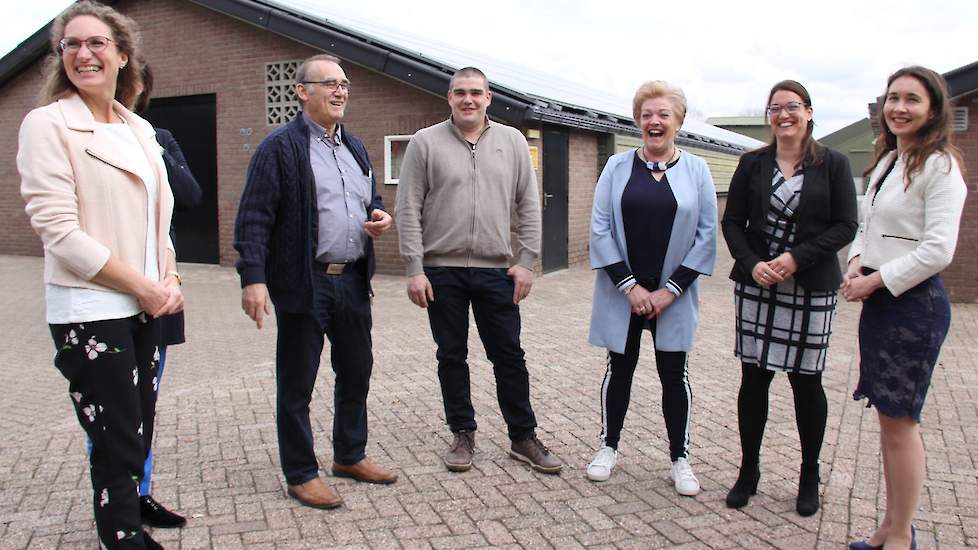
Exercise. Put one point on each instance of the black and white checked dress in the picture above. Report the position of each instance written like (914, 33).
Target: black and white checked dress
(783, 327)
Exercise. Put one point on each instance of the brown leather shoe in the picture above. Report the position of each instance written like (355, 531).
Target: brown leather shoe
(315, 494)
(536, 454)
(365, 471)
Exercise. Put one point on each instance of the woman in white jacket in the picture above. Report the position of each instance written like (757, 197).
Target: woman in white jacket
(907, 236)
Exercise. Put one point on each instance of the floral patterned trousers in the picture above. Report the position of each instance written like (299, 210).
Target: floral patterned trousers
(111, 368)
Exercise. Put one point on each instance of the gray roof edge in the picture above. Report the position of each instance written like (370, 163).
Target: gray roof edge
(848, 131)
(373, 54)
(694, 140)
(411, 68)
(26, 53)
(963, 80)
(417, 70)
(598, 124)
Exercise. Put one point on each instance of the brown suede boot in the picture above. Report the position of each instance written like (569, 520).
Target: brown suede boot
(459, 455)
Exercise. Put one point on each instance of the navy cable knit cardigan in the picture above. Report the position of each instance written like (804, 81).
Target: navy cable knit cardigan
(276, 231)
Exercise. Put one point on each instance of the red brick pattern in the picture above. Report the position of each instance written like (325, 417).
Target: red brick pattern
(197, 51)
(194, 50)
(961, 278)
(17, 98)
(583, 177)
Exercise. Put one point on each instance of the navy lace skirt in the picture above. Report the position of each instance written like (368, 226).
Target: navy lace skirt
(899, 342)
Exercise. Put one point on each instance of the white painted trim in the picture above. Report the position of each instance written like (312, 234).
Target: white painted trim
(388, 180)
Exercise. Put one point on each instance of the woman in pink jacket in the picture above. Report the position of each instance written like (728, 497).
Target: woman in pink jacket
(97, 195)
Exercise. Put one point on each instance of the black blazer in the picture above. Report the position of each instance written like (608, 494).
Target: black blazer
(827, 217)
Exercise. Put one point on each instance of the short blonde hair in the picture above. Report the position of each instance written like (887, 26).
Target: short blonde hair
(659, 88)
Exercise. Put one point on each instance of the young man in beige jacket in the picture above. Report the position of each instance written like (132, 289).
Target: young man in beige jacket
(461, 180)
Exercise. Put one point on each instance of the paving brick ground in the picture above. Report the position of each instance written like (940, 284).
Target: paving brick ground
(218, 460)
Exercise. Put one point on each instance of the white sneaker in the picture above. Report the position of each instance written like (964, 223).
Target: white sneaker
(682, 475)
(600, 468)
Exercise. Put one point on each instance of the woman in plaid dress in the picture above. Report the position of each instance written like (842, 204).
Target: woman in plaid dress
(791, 207)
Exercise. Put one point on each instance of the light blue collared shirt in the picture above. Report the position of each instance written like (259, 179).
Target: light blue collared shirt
(342, 197)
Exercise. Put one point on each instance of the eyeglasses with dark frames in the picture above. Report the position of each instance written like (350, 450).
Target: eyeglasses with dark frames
(792, 107)
(331, 85)
(94, 44)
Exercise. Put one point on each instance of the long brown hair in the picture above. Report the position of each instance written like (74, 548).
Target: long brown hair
(126, 38)
(933, 137)
(811, 150)
(141, 103)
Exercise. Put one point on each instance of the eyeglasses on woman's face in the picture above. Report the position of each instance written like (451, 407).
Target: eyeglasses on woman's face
(95, 44)
(792, 107)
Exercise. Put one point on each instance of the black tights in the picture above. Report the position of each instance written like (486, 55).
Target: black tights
(811, 410)
(616, 391)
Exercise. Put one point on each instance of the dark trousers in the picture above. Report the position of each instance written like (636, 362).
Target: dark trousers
(677, 396)
(811, 410)
(111, 368)
(490, 292)
(341, 311)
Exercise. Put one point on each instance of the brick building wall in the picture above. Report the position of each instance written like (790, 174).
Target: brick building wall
(194, 50)
(961, 278)
(17, 98)
(583, 148)
(233, 67)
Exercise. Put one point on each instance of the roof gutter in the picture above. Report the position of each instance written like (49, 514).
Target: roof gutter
(414, 71)
(963, 80)
(509, 106)
(25, 54)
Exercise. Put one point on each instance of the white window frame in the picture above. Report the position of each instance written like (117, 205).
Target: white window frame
(388, 140)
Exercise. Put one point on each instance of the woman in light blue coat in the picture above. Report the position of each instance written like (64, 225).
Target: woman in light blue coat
(653, 233)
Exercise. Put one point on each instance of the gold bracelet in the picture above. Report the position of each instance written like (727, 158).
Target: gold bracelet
(176, 276)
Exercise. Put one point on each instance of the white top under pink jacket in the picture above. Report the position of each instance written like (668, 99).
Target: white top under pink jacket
(86, 199)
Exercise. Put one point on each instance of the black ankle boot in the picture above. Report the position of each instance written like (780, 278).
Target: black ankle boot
(807, 503)
(745, 486)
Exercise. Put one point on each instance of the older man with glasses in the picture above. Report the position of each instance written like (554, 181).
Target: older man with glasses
(304, 231)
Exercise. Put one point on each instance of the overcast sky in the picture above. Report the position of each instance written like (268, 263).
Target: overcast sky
(724, 54)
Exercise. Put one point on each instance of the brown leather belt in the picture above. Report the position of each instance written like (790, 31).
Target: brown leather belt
(332, 269)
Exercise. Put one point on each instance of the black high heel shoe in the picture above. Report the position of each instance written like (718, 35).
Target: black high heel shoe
(744, 488)
(807, 503)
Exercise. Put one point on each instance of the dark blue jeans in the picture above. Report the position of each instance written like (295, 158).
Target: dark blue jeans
(490, 292)
(341, 311)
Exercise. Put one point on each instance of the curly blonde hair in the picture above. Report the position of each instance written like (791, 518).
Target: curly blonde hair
(125, 36)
